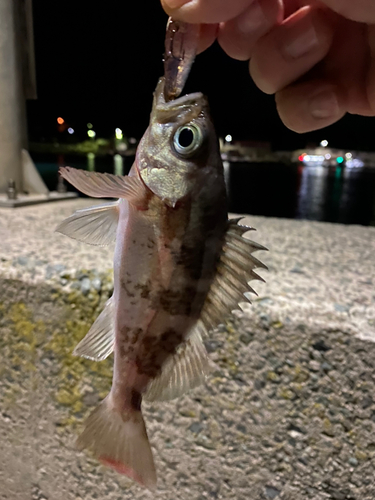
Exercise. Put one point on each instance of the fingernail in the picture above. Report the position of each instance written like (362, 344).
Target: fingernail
(300, 42)
(252, 19)
(324, 105)
(175, 4)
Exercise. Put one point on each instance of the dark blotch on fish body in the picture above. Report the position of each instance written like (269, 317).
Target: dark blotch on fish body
(132, 336)
(151, 366)
(125, 286)
(155, 350)
(177, 302)
(170, 340)
(135, 400)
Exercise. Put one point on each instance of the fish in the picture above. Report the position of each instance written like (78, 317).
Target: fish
(180, 268)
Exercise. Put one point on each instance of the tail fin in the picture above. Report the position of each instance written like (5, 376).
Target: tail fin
(119, 440)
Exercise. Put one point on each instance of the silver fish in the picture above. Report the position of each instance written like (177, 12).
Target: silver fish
(180, 267)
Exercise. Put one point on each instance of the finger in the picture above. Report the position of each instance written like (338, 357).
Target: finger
(350, 49)
(291, 6)
(356, 10)
(204, 11)
(291, 49)
(238, 36)
(207, 36)
(311, 105)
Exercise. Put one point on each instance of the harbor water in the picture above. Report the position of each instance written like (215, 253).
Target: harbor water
(318, 192)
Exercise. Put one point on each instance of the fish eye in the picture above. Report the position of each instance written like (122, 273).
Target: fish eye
(187, 139)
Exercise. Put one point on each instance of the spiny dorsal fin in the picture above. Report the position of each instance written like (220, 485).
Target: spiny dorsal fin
(99, 341)
(187, 369)
(94, 225)
(107, 185)
(235, 269)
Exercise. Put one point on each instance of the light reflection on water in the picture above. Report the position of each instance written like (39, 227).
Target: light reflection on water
(118, 165)
(331, 193)
(312, 193)
(91, 162)
(337, 194)
(302, 191)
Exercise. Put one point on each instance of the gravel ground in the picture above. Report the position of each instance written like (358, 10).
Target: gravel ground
(288, 411)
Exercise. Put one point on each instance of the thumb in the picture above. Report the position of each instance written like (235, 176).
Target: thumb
(204, 11)
(356, 10)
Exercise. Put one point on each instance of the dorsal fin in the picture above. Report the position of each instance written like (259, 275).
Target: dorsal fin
(235, 269)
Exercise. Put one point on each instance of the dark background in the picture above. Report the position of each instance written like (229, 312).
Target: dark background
(99, 62)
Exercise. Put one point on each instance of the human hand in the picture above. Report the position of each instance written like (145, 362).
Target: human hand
(316, 56)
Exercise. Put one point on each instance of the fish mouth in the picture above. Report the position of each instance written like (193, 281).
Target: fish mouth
(187, 100)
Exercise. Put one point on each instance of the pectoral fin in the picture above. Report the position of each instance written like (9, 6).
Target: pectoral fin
(235, 269)
(99, 341)
(187, 369)
(107, 185)
(94, 225)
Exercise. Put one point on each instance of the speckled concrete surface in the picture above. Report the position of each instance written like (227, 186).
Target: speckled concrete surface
(288, 411)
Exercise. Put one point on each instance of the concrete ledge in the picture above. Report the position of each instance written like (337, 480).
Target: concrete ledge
(288, 411)
(24, 200)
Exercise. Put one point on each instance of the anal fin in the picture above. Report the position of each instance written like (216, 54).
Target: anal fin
(99, 341)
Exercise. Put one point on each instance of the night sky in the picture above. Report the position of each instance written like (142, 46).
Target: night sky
(92, 68)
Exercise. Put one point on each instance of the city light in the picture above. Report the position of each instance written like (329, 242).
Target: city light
(228, 138)
(119, 135)
(71, 130)
(91, 134)
(355, 163)
(89, 125)
(324, 143)
(313, 158)
(132, 140)
(348, 156)
(339, 159)
(327, 156)
(60, 120)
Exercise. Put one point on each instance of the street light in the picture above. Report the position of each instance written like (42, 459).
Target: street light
(324, 143)
(228, 138)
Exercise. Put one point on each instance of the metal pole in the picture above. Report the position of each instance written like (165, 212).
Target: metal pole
(12, 101)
